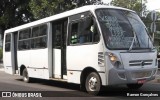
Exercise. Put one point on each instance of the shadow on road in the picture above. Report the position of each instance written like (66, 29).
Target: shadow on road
(73, 89)
(108, 91)
(54, 83)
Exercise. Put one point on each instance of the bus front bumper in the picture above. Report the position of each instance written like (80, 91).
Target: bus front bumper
(128, 76)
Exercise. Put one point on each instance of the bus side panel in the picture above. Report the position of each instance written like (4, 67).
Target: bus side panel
(23, 58)
(7, 57)
(7, 62)
(80, 57)
(57, 63)
(38, 66)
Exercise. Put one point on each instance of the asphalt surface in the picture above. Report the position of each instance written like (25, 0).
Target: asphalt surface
(60, 90)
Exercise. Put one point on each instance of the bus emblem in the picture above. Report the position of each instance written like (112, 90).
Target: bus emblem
(142, 63)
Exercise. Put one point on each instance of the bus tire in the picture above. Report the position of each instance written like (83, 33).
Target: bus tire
(25, 76)
(134, 86)
(93, 83)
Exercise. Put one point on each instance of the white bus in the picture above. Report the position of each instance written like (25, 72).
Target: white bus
(93, 46)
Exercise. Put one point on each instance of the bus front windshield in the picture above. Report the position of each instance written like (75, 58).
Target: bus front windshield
(123, 29)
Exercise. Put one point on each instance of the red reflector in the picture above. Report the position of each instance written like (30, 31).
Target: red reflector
(141, 81)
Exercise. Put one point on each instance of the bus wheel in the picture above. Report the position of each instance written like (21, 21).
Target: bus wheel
(25, 76)
(134, 86)
(93, 83)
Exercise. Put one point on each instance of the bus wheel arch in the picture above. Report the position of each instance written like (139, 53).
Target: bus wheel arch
(21, 69)
(88, 72)
(24, 73)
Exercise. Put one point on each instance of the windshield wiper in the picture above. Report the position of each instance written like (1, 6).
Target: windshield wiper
(134, 38)
(149, 39)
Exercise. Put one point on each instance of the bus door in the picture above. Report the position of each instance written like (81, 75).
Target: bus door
(10, 53)
(7, 54)
(59, 32)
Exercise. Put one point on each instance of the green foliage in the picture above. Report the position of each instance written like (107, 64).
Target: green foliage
(1, 54)
(14, 13)
(17, 12)
(88, 2)
(45, 8)
(129, 4)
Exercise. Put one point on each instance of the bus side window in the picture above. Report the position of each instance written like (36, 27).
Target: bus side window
(89, 32)
(57, 30)
(24, 39)
(39, 37)
(84, 31)
(85, 35)
(96, 36)
(7, 42)
(74, 33)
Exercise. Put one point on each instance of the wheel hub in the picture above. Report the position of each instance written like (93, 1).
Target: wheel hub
(25, 76)
(92, 83)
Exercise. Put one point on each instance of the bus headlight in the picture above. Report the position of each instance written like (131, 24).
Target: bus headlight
(115, 61)
(112, 57)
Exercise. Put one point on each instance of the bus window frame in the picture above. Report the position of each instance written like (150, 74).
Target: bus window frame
(31, 28)
(40, 36)
(19, 40)
(6, 42)
(75, 19)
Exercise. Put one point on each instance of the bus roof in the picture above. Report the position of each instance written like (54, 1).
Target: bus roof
(62, 15)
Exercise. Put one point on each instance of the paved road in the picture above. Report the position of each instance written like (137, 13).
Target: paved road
(1, 65)
(67, 91)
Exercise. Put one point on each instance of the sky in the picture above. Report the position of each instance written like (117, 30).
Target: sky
(151, 4)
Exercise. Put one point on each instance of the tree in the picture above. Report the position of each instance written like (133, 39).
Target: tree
(45, 8)
(135, 5)
(14, 13)
(87, 2)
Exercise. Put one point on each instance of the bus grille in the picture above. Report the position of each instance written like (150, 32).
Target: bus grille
(140, 62)
(145, 74)
(101, 59)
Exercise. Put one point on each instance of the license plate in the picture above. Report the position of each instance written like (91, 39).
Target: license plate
(141, 81)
